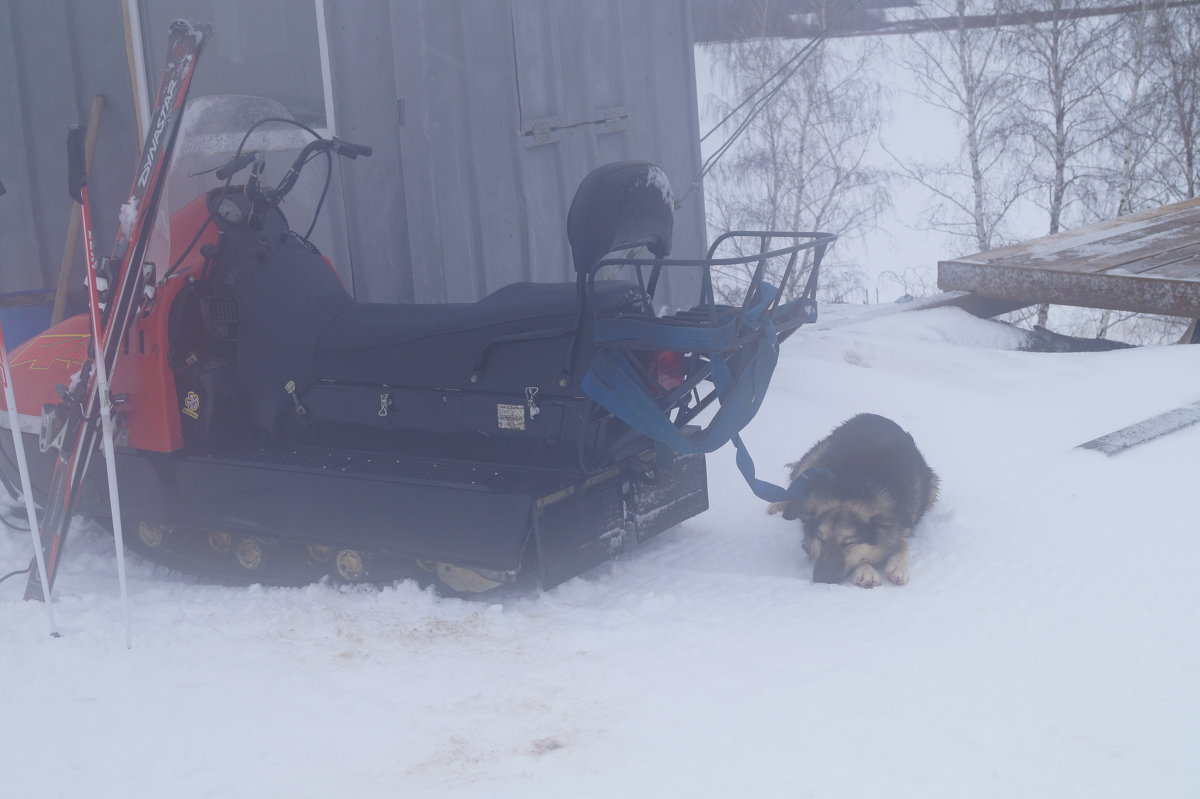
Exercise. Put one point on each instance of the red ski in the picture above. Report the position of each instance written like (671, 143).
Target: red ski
(72, 426)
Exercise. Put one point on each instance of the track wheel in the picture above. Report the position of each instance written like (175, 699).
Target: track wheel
(350, 566)
(153, 535)
(221, 543)
(249, 554)
(319, 553)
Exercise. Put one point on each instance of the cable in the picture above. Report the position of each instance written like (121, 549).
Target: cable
(9, 522)
(757, 89)
(8, 485)
(12, 489)
(792, 65)
(324, 191)
(188, 249)
(14, 574)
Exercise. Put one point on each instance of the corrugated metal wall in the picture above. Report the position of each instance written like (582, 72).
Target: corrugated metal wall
(484, 117)
(54, 56)
(508, 105)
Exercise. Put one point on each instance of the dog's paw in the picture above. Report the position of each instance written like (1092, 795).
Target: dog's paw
(865, 576)
(897, 573)
(777, 507)
(896, 569)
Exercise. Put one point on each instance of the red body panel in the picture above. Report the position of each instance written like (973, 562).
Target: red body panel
(46, 360)
(142, 374)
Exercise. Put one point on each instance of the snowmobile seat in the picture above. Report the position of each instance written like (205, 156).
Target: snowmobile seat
(439, 345)
(526, 306)
(375, 324)
(300, 329)
(618, 206)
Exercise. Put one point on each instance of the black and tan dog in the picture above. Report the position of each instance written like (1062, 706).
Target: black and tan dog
(867, 488)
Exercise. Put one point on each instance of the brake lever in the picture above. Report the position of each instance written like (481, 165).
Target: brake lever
(235, 165)
(260, 201)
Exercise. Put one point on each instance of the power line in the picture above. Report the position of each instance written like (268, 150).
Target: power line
(791, 66)
(794, 29)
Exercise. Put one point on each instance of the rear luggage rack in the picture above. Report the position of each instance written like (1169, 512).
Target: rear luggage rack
(733, 347)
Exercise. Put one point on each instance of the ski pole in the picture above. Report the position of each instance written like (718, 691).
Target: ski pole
(14, 424)
(78, 184)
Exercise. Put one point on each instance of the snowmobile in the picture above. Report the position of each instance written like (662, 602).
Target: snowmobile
(274, 429)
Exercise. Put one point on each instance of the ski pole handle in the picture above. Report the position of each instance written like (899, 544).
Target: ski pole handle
(76, 169)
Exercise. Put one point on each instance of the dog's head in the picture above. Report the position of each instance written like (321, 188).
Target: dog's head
(841, 535)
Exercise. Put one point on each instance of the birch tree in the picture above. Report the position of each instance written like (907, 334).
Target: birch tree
(964, 70)
(1060, 79)
(800, 163)
(1177, 39)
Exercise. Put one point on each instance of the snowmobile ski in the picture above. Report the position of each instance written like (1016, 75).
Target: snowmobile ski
(72, 426)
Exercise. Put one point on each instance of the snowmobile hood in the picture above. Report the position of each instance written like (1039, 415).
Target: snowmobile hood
(49, 359)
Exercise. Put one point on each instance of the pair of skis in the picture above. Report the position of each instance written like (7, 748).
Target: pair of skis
(115, 289)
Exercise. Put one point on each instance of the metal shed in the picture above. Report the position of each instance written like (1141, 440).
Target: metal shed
(484, 117)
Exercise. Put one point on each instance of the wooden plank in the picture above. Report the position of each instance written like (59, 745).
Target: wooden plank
(1130, 244)
(1147, 430)
(1167, 296)
(1158, 260)
(1186, 269)
(1048, 245)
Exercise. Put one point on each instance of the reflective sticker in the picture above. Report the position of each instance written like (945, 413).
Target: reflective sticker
(44, 351)
(191, 404)
(510, 417)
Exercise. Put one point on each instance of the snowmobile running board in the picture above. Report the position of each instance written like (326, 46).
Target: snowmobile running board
(471, 516)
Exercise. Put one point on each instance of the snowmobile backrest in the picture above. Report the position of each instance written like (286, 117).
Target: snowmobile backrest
(620, 206)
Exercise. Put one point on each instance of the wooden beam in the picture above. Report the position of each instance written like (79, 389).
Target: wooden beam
(1148, 430)
(1166, 296)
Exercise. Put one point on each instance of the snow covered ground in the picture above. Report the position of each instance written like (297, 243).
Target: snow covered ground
(1047, 644)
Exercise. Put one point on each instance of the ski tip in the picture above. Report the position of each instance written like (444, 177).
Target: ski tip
(199, 32)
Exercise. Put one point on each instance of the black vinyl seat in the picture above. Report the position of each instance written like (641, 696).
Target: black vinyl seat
(440, 345)
(298, 327)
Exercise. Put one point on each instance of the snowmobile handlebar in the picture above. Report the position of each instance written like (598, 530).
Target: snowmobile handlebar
(350, 149)
(267, 198)
(340, 146)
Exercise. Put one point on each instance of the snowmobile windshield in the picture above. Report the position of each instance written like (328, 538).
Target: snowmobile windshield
(210, 134)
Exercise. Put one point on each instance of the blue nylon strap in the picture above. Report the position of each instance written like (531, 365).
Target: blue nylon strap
(613, 381)
(769, 491)
(761, 488)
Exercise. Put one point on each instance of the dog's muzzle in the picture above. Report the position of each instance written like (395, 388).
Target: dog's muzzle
(830, 566)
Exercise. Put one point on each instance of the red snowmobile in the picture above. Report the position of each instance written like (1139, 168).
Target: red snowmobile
(276, 430)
